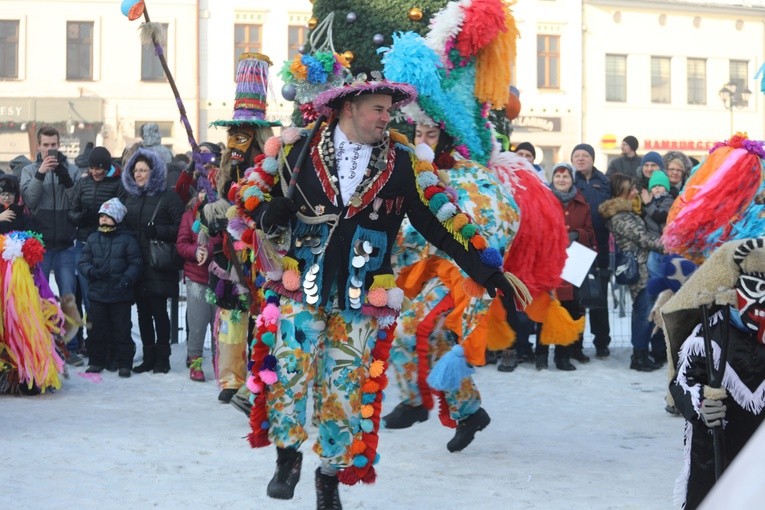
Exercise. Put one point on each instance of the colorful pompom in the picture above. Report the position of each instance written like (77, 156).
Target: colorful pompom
(491, 257)
(378, 297)
(270, 166)
(291, 280)
(460, 220)
(446, 211)
(290, 135)
(468, 231)
(395, 298)
(423, 152)
(268, 376)
(272, 146)
(367, 411)
(427, 179)
(377, 368)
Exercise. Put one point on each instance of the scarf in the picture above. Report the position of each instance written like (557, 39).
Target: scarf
(564, 197)
(107, 229)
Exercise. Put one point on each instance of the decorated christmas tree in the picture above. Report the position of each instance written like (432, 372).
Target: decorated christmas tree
(362, 27)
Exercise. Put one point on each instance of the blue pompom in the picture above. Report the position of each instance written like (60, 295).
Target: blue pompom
(360, 461)
(377, 458)
(264, 425)
(367, 398)
(426, 179)
(491, 257)
(270, 166)
(367, 425)
(450, 370)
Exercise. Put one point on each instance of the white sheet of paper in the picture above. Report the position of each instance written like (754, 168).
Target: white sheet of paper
(578, 263)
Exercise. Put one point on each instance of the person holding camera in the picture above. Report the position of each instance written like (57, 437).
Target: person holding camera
(46, 186)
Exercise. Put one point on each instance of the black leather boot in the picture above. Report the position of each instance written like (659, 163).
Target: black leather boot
(327, 495)
(466, 429)
(287, 474)
(149, 357)
(404, 416)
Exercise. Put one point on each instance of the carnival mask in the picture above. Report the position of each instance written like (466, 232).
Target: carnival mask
(750, 294)
(239, 143)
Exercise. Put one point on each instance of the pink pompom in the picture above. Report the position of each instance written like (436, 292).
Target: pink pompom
(272, 146)
(253, 385)
(259, 321)
(270, 314)
(268, 376)
(290, 135)
(378, 297)
(291, 280)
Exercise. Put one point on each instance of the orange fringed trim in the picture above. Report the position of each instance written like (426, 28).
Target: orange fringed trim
(472, 288)
(494, 66)
(493, 329)
(558, 327)
(536, 310)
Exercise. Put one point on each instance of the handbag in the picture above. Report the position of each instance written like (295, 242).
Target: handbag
(626, 269)
(591, 293)
(162, 254)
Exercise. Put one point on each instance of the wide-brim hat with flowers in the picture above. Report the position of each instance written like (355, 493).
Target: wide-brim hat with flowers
(251, 93)
(363, 82)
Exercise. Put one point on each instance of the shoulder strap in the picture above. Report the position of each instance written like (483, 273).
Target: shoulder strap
(154, 215)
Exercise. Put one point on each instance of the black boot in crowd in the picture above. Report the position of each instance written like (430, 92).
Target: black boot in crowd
(641, 362)
(327, 495)
(508, 361)
(287, 474)
(466, 429)
(149, 357)
(162, 361)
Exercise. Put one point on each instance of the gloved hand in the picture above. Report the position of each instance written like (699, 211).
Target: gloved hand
(712, 412)
(98, 273)
(62, 172)
(279, 212)
(123, 285)
(150, 231)
(573, 236)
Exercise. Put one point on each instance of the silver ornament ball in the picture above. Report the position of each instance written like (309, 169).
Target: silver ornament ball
(350, 17)
(289, 92)
(378, 39)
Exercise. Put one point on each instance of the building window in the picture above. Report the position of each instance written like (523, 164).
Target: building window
(660, 89)
(616, 78)
(697, 81)
(151, 69)
(296, 40)
(548, 61)
(739, 74)
(79, 50)
(247, 38)
(9, 49)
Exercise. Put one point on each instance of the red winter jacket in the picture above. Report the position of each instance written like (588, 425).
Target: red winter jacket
(578, 219)
(186, 245)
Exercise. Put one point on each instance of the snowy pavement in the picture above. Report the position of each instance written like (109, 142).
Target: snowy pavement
(596, 438)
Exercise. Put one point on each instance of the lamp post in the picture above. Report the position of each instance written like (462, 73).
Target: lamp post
(732, 98)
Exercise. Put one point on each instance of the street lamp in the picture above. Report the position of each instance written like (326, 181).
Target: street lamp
(732, 98)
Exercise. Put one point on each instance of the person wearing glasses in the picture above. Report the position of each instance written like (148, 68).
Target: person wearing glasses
(12, 215)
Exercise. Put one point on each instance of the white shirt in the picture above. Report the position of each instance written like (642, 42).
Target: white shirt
(351, 161)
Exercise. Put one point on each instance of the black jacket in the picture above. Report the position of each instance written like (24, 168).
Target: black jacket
(119, 253)
(20, 223)
(140, 204)
(86, 199)
(744, 376)
(397, 196)
(596, 191)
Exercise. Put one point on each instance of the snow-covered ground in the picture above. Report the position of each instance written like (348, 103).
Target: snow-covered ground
(594, 438)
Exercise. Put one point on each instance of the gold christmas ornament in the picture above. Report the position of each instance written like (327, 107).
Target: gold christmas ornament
(349, 56)
(415, 14)
(312, 23)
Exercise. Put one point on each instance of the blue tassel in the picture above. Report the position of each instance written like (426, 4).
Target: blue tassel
(450, 370)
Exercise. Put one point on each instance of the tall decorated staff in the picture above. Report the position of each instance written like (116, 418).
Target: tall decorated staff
(452, 69)
(30, 319)
(150, 36)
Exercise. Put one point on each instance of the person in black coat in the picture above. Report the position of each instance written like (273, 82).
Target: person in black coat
(153, 212)
(112, 263)
(12, 215)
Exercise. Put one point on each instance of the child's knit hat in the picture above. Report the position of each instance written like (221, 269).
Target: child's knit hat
(114, 209)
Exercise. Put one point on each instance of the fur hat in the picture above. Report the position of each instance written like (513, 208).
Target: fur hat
(526, 146)
(114, 209)
(673, 155)
(652, 157)
(584, 147)
(251, 93)
(631, 141)
(8, 184)
(658, 178)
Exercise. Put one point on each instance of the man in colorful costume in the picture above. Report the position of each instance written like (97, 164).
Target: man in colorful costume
(231, 284)
(455, 98)
(331, 305)
(728, 285)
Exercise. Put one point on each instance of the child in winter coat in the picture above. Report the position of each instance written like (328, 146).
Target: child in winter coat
(12, 215)
(112, 263)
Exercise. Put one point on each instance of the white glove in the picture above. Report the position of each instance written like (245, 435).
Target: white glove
(712, 412)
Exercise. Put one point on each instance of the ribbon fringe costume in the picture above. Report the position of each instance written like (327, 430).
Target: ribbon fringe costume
(333, 303)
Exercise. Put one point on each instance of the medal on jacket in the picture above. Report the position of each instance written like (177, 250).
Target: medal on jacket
(376, 207)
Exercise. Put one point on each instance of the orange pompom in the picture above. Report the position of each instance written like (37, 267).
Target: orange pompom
(358, 447)
(377, 368)
(378, 297)
(291, 280)
(478, 242)
(460, 221)
(367, 411)
(251, 203)
(370, 387)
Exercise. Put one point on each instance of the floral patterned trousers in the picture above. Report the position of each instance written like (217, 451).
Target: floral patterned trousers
(330, 352)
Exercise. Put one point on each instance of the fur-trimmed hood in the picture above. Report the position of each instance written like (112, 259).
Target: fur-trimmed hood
(157, 179)
(614, 206)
